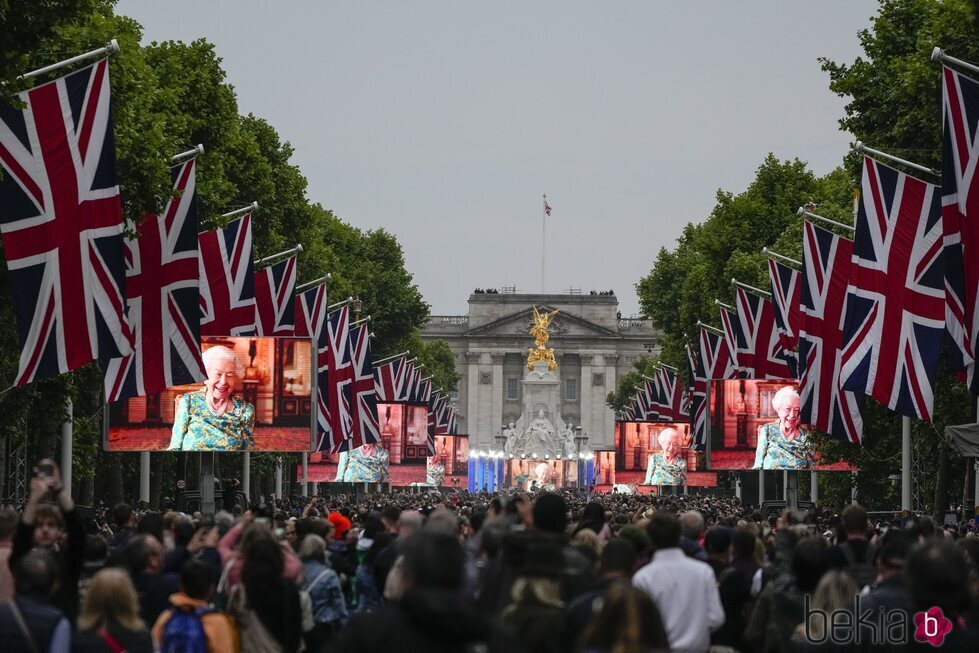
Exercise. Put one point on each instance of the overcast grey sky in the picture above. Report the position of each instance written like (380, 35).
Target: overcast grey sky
(444, 122)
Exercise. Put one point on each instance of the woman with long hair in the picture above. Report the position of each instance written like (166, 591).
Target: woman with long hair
(628, 622)
(109, 619)
(266, 606)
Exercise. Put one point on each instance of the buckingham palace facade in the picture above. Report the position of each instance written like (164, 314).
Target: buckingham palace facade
(592, 343)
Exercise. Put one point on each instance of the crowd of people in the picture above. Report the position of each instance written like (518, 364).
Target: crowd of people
(545, 573)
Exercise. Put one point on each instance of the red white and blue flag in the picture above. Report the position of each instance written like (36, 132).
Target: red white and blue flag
(644, 402)
(61, 221)
(786, 301)
(737, 344)
(310, 313)
(672, 391)
(960, 218)
(825, 276)
(275, 304)
(162, 287)
(697, 388)
(389, 379)
(895, 308)
(336, 375)
(656, 402)
(366, 428)
(227, 280)
(762, 357)
(715, 356)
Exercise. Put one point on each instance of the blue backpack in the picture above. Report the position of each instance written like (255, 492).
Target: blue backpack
(184, 632)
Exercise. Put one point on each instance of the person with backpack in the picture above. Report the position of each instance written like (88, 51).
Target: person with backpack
(190, 625)
(855, 555)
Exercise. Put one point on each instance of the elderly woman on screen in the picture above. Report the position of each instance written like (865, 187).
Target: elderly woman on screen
(667, 467)
(214, 418)
(784, 444)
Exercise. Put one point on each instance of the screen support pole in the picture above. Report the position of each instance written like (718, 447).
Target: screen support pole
(792, 488)
(246, 475)
(207, 483)
(813, 488)
(761, 487)
(305, 485)
(66, 447)
(278, 481)
(906, 463)
(144, 476)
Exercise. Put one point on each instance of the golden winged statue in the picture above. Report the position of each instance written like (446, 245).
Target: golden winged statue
(541, 353)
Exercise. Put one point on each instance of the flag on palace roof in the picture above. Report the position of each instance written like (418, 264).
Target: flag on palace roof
(61, 222)
(162, 287)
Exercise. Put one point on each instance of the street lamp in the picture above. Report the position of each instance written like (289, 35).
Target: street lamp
(580, 438)
(500, 444)
(357, 305)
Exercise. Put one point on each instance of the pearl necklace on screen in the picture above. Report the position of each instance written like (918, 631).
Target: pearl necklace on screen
(217, 412)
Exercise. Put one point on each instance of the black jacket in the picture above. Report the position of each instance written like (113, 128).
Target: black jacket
(70, 560)
(41, 618)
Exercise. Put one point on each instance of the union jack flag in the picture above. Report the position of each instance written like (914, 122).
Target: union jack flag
(763, 357)
(697, 382)
(389, 379)
(960, 218)
(715, 357)
(656, 403)
(161, 295)
(336, 375)
(363, 407)
(409, 389)
(424, 392)
(61, 221)
(786, 300)
(672, 391)
(737, 344)
(895, 307)
(227, 281)
(453, 422)
(643, 407)
(825, 275)
(310, 313)
(275, 307)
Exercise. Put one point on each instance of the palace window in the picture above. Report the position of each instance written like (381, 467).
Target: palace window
(512, 389)
(571, 389)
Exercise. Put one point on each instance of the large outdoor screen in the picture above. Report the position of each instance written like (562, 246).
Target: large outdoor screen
(754, 424)
(655, 453)
(404, 439)
(257, 397)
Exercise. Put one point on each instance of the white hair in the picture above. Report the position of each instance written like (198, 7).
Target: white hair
(220, 353)
(665, 435)
(783, 395)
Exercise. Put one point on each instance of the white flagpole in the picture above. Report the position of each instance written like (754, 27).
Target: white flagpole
(543, 241)
(110, 47)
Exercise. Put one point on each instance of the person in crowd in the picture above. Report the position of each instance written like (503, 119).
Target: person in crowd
(215, 418)
(109, 619)
(43, 525)
(403, 526)
(855, 555)
(618, 561)
(144, 559)
(717, 545)
(8, 526)
(189, 613)
(536, 612)
(323, 586)
(124, 520)
(183, 530)
(835, 593)
(784, 444)
(231, 556)
(265, 604)
(684, 590)
(627, 620)
(550, 525)
(96, 559)
(667, 466)
(938, 577)
(734, 588)
(692, 530)
(432, 616)
(32, 622)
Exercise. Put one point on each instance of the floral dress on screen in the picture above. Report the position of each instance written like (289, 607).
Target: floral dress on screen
(196, 428)
(660, 472)
(357, 466)
(775, 451)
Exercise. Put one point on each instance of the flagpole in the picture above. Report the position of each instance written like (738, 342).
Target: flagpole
(543, 241)
(295, 250)
(242, 211)
(802, 213)
(712, 329)
(728, 307)
(391, 358)
(109, 48)
(751, 289)
(189, 154)
(863, 149)
(333, 307)
(779, 257)
(310, 284)
(939, 55)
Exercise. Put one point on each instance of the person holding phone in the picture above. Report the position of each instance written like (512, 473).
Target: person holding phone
(49, 514)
